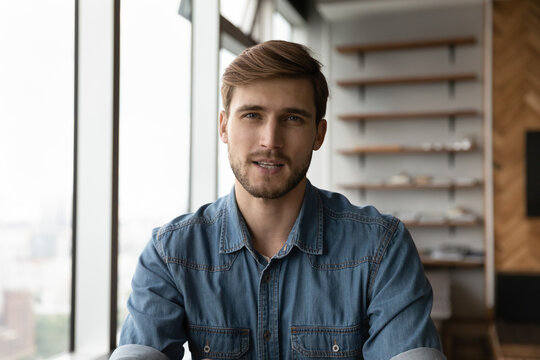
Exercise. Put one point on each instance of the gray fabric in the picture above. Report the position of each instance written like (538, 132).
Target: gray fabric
(423, 353)
(134, 351)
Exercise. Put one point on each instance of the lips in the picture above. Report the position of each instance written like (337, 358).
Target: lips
(269, 164)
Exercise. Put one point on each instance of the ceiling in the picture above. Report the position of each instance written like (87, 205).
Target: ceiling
(337, 10)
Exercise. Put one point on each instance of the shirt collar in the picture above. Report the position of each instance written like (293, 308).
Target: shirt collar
(306, 233)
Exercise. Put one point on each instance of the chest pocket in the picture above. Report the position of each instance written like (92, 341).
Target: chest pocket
(218, 343)
(315, 342)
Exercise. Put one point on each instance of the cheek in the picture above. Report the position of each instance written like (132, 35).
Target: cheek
(244, 134)
(239, 139)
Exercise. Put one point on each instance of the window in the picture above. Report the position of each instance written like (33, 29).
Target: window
(36, 167)
(281, 28)
(240, 13)
(225, 174)
(154, 127)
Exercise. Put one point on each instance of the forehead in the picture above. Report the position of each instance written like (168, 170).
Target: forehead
(275, 94)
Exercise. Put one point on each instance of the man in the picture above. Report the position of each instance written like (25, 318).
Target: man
(278, 268)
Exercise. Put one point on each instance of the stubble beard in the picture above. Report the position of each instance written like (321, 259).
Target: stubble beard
(268, 190)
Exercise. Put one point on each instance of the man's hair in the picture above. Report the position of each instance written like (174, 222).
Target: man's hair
(275, 59)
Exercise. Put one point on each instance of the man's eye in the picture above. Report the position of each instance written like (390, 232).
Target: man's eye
(294, 118)
(251, 115)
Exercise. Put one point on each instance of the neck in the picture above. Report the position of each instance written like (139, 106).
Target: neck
(270, 220)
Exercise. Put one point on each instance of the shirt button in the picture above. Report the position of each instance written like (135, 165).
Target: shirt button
(267, 278)
(335, 348)
(267, 335)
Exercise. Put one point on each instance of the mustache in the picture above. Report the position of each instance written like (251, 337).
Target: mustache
(270, 154)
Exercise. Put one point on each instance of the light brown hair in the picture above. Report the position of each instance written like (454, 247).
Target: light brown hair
(275, 59)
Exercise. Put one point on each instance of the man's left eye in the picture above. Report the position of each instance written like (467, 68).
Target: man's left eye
(294, 118)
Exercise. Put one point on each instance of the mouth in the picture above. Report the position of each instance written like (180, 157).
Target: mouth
(268, 164)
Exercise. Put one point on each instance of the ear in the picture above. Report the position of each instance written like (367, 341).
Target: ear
(321, 132)
(223, 120)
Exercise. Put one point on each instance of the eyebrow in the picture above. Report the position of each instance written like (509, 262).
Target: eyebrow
(291, 110)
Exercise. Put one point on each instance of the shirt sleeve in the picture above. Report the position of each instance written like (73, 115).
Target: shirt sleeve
(156, 307)
(400, 301)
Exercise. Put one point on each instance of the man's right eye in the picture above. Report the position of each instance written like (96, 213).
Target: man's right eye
(251, 115)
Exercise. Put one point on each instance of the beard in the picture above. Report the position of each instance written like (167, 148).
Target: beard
(269, 188)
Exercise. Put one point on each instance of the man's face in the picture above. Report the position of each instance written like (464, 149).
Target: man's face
(270, 132)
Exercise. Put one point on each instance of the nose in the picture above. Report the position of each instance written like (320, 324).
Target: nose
(271, 136)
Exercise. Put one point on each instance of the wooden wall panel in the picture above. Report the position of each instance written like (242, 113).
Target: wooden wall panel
(516, 109)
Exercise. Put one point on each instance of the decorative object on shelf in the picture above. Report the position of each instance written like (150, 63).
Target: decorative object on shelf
(431, 147)
(456, 216)
(403, 180)
(406, 216)
(455, 253)
(460, 214)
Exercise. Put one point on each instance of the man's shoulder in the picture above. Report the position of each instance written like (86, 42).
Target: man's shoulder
(356, 234)
(205, 219)
(338, 207)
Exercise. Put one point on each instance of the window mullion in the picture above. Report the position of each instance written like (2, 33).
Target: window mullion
(94, 175)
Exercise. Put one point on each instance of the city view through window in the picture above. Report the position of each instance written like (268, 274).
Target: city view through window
(36, 176)
(155, 83)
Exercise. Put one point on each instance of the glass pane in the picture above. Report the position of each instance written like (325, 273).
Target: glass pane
(225, 174)
(239, 12)
(36, 176)
(281, 28)
(154, 127)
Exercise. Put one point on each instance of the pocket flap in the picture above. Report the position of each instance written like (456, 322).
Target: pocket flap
(327, 342)
(217, 342)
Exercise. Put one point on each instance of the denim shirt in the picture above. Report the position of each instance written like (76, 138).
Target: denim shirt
(348, 284)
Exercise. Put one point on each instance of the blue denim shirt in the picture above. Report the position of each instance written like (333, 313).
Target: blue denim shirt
(348, 284)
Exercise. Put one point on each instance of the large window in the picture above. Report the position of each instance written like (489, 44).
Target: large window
(154, 127)
(36, 176)
(225, 174)
(281, 27)
(240, 12)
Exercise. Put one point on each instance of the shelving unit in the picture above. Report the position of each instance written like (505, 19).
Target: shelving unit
(444, 223)
(417, 79)
(438, 263)
(448, 114)
(406, 45)
(406, 115)
(407, 94)
(427, 186)
(399, 149)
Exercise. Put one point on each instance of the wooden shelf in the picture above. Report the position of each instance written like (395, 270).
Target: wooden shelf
(397, 149)
(408, 115)
(403, 45)
(473, 263)
(374, 186)
(418, 79)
